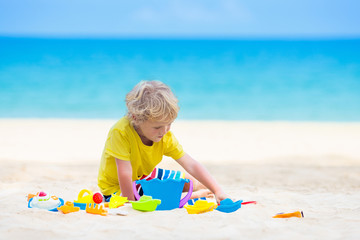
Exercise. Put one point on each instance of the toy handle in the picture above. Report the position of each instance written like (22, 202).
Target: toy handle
(82, 192)
(188, 195)
(136, 194)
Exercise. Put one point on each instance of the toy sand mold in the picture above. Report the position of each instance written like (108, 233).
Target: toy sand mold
(168, 191)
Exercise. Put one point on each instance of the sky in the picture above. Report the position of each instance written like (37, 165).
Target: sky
(181, 18)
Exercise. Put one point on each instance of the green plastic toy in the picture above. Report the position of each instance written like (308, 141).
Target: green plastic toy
(145, 204)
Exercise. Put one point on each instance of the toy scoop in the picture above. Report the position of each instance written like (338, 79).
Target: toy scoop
(117, 201)
(298, 214)
(44, 201)
(227, 205)
(145, 204)
(200, 206)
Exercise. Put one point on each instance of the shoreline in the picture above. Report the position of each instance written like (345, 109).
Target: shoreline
(177, 120)
(82, 140)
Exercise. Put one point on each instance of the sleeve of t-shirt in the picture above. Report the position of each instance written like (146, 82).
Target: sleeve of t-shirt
(118, 146)
(173, 148)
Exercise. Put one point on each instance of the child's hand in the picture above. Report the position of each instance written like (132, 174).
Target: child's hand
(220, 196)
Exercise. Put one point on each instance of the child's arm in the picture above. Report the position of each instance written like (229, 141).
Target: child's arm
(124, 171)
(202, 175)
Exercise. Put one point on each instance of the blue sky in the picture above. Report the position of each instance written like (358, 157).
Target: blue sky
(181, 18)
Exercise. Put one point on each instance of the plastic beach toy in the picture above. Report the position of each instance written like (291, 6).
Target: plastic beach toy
(168, 191)
(98, 198)
(96, 209)
(249, 202)
(192, 201)
(83, 200)
(68, 208)
(227, 205)
(145, 204)
(117, 201)
(30, 196)
(117, 211)
(44, 201)
(200, 206)
(87, 198)
(298, 214)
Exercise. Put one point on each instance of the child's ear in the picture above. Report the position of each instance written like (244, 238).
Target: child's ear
(134, 119)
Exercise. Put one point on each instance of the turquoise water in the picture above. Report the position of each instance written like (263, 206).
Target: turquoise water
(296, 80)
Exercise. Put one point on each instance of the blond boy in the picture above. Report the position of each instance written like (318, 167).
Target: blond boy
(137, 142)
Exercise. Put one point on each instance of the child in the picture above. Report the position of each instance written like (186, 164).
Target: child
(138, 141)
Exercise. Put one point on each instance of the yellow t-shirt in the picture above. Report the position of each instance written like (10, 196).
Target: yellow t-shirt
(124, 143)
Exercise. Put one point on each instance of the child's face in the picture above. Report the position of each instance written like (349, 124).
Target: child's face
(152, 131)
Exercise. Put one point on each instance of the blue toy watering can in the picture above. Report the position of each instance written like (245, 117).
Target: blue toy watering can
(168, 191)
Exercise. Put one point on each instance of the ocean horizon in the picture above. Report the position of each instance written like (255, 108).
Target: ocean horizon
(246, 80)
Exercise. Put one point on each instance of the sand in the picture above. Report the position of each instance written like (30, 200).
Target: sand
(285, 167)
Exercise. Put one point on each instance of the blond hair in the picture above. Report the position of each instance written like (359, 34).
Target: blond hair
(151, 100)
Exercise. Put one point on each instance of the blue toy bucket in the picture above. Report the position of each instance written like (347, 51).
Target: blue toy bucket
(168, 191)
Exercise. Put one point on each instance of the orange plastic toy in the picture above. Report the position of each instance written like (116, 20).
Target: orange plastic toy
(30, 196)
(68, 208)
(95, 209)
(298, 214)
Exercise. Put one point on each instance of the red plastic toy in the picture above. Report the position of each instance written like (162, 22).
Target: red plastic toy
(98, 198)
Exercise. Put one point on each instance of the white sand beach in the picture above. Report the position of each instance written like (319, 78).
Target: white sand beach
(284, 166)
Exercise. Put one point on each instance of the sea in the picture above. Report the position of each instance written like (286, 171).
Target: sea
(214, 79)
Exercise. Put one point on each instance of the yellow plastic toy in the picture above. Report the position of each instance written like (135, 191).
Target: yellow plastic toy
(96, 209)
(68, 208)
(298, 214)
(85, 199)
(200, 206)
(117, 201)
